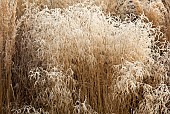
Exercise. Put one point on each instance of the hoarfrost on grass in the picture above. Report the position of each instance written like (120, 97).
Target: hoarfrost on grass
(88, 27)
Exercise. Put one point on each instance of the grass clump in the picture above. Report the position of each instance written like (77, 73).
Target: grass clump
(80, 59)
(108, 65)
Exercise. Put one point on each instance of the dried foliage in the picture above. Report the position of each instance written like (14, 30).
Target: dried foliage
(94, 57)
(7, 41)
(157, 11)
